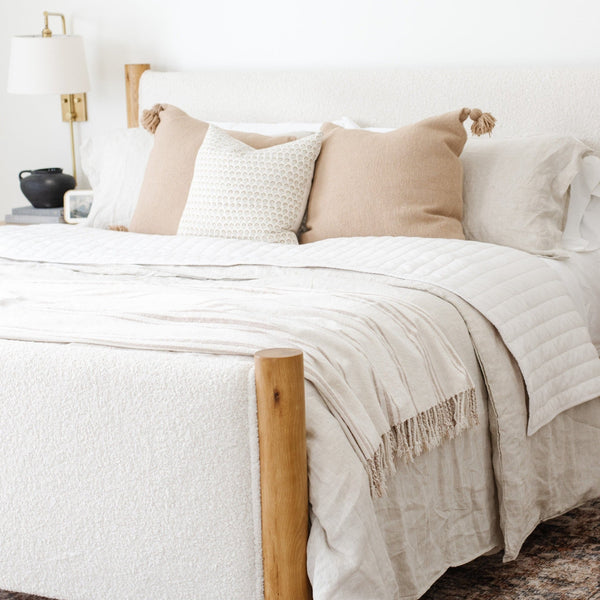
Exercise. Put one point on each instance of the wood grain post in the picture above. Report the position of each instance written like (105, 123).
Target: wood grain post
(283, 472)
(132, 83)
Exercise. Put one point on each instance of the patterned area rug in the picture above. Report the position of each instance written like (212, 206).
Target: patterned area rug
(559, 561)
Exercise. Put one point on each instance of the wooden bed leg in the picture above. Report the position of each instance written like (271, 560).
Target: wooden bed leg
(283, 472)
(132, 80)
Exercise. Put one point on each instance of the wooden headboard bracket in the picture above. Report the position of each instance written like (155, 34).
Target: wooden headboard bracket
(132, 81)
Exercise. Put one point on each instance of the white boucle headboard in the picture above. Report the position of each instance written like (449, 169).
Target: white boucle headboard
(525, 100)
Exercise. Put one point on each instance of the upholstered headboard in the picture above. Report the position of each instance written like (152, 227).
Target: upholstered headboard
(525, 100)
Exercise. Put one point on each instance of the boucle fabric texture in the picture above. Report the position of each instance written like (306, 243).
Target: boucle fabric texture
(170, 167)
(244, 193)
(403, 182)
(560, 561)
(133, 474)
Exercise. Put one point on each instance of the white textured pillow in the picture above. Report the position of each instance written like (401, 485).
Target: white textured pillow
(516, 190)
(115, 164)
(240, 192)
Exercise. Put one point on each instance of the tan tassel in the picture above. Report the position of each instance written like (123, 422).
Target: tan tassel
(482, 122)
(151, 118)
(118, 228)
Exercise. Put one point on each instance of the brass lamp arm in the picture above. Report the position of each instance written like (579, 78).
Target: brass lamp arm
(46, 31)
(73, 106)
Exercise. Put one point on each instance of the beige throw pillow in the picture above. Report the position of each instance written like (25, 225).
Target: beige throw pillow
(164, 191)
(404, 182)
(240, 192)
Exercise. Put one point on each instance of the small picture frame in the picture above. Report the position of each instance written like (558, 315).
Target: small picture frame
(77, 205)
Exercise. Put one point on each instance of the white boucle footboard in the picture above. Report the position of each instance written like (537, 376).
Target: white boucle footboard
(128, 474)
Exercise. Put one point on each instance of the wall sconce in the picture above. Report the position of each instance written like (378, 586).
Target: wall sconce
(52, 64)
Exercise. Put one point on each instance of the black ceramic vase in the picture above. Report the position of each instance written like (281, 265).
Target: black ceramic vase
(45, 188)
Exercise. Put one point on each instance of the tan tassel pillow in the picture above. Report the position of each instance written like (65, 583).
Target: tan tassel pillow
(164, 191)
(404, 182)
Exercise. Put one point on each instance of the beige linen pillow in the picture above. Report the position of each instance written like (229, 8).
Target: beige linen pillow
(516, 190)
(164, 191)
(403, 182)
(240, 192)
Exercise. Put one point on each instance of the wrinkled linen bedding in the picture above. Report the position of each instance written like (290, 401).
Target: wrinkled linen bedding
(349, 557)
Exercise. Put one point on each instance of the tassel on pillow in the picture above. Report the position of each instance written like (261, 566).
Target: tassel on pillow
(151, 117)
(482, 122)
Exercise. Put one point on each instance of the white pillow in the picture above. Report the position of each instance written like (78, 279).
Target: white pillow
(244, 193)
(590, 224)
(295, 128)
(115, 164)
(582, 230)
(516, 190)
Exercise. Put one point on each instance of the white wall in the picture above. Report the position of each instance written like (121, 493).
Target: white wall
(184, 35)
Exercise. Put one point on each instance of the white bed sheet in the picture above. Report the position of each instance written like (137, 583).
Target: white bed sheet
(581, 274)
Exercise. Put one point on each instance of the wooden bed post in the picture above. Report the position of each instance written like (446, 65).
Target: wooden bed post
(132, 80)
(283, 472)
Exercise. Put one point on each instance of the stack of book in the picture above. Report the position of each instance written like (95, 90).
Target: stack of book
(29, 215)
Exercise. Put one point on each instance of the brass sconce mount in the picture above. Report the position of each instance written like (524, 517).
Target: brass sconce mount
(73, 106)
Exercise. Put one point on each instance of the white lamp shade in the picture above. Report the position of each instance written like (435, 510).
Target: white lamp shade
(47, 65)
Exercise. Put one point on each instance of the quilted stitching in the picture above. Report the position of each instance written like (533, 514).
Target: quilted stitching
(517, 292)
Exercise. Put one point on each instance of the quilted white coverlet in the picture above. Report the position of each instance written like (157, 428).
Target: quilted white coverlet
(522, 297)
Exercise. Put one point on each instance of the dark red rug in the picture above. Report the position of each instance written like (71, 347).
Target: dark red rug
(559, 561)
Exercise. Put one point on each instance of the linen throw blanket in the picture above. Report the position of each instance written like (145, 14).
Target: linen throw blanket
(385, 370)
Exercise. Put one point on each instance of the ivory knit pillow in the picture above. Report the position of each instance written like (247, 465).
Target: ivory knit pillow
(241, 192)
(404, 182)
(166, 184)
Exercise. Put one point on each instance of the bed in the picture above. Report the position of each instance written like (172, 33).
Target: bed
(146, 453)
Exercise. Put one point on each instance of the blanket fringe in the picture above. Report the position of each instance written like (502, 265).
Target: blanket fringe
(427, 430)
